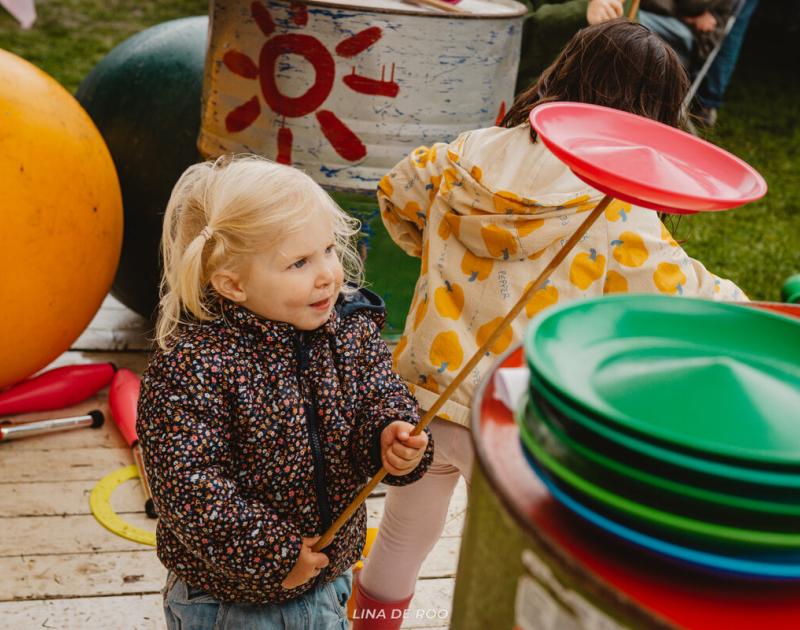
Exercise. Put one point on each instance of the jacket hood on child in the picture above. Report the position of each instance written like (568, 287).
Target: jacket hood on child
(256, 434)
(486, 213)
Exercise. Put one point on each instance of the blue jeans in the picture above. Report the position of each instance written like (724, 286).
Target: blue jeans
(187, 608)
(716, 81)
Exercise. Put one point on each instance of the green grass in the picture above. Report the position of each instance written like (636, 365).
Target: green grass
(71, 36)
(757, 246)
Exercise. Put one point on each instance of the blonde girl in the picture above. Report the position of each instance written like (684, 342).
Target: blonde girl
(269, 402)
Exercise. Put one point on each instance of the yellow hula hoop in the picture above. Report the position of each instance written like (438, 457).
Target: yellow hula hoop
(100, 504)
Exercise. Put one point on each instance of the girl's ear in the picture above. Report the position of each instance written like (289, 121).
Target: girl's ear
(228, 284)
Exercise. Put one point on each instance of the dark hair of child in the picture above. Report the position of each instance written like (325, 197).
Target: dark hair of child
(619, 64)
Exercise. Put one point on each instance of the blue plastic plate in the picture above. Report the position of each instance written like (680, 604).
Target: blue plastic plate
(784, 565)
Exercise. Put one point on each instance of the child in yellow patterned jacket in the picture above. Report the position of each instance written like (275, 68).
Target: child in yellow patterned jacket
(486, 213)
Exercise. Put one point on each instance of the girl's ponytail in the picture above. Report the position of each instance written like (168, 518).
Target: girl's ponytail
(184, 242)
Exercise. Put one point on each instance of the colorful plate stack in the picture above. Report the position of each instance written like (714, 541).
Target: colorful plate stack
(672, 423)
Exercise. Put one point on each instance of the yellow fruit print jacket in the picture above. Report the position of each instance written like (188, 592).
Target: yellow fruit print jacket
(486, 213)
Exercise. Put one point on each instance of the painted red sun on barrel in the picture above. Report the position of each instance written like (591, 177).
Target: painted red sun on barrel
(346, 143)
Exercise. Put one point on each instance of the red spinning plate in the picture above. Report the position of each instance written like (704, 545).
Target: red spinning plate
(670, 593)
(644, 162)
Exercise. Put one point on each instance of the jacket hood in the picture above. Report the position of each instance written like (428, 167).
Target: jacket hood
(491, 221)
(362, 300)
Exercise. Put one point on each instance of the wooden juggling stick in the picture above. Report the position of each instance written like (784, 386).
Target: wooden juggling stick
(327, 537)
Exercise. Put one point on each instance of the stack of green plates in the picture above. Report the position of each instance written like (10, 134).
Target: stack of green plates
(675, 421)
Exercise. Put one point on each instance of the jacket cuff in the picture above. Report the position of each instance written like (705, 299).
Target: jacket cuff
(376, 463)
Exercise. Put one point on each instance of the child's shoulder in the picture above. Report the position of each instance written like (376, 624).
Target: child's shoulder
(193, 349)
(361, 308)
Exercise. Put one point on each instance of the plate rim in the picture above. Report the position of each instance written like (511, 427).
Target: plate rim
(660, 518)
(625, 421)
(679, 552)
(568, 157)
(655, 481)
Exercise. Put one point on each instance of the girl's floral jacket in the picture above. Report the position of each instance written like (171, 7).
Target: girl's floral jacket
(255, 435)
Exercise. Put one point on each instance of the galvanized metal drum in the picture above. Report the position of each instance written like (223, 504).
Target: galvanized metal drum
(527, 563)
(346, 89)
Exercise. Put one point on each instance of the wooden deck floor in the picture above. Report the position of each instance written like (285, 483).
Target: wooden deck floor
(59, 568)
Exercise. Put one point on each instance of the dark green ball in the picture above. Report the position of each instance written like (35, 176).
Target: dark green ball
(144, 97)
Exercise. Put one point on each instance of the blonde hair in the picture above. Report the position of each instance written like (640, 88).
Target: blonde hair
(222, 211)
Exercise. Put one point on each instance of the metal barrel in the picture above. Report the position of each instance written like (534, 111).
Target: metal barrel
(345, 90)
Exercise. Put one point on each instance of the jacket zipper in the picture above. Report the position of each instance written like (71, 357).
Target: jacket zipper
(312, 424)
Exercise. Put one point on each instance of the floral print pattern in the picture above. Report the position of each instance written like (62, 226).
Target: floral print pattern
(255, 435)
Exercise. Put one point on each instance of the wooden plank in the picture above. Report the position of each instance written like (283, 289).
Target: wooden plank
(135, 612)
(61, 498)
(106, 436)
(25, 576)
(115, 327)
(42, 498)
(72, 497)
(83, 534)
(42, 535)
(61, 465)
(135, 361)
(431, 606)
(113, 339)
(442, 561)
(132, 612)
(80, 575)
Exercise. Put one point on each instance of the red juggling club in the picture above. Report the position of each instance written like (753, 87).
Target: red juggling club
(123, 398)
(56, 388)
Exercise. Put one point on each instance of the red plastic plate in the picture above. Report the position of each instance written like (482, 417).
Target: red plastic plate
(644, 162)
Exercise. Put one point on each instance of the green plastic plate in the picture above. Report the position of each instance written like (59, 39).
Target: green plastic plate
(727, 477)
(661, 520)
(700, 375)
(638, 484)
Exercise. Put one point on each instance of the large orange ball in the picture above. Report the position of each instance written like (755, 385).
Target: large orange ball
(60, 219)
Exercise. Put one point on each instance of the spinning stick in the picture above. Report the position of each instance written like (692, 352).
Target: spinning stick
(93, 419)
(123, 397)
(625, 156)
(57, 388)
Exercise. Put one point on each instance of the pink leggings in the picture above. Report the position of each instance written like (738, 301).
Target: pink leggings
(414, 516)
